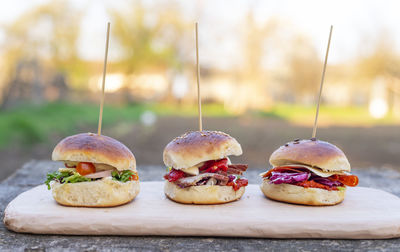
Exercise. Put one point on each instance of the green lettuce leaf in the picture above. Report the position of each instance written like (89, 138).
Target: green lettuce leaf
(64, 177)
(75, 178)
(122, 176)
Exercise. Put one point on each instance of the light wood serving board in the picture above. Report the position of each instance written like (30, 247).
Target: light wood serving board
(364, 214)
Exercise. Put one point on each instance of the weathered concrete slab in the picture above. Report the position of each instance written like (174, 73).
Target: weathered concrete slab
(33, 173)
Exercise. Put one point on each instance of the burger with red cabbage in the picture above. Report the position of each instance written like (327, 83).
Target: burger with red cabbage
(308, 172)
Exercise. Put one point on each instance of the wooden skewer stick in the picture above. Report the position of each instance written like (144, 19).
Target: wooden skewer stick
(104, 80)
(321, 85)
(198, 77)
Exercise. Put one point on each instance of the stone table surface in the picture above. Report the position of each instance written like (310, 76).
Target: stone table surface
(34, 172)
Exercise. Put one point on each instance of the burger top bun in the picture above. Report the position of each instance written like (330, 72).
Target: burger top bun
(90, 147)
(195, 147)
(314, 153)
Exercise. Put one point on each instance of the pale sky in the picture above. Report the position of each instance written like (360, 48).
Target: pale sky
(354, 21)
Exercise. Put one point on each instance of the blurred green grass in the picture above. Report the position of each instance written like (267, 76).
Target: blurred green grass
(29, 124)
(328, 115)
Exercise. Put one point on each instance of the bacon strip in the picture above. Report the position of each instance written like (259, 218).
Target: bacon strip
(242, 167)
(192, 180)
(313, 184)
(222, 172)
(349, 180)
(233, 171)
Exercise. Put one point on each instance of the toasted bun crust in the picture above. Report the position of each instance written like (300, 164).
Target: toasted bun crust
(202, 195)
(89, 147)
(300, 195)
(317, 153)
(100, 193)
(195, 147)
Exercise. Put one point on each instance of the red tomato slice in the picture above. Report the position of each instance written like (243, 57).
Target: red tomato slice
(85, 168)
(241, 183)
(238, 183)
(134, 177)
(313, 184)
(349, 180)
(215, 165)
(174, 175)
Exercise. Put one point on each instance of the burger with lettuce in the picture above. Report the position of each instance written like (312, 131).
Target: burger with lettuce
(98, 171)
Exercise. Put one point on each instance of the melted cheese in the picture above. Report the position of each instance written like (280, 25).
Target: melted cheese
(64, 169)
(103, 167)
(318, 171)
(194, 170)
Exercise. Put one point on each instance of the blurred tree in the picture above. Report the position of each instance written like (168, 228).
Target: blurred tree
(304, 69)
(378, 59)
(46, 35)
(149, 36)
(255, 44)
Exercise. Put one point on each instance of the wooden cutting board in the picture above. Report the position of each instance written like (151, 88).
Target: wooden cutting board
(365, 214)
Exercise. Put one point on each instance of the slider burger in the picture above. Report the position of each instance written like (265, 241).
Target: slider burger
(99, 172)
(308, 172)
(199, 170)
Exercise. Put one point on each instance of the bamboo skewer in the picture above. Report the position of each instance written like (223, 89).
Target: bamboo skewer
(321, 84)
(198, 78)
(104, 80)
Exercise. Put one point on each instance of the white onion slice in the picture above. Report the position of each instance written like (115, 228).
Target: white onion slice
(101, 174)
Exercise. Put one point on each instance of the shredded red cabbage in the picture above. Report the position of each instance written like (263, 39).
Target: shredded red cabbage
(231, 178)
(328, 182)
(288, 178)
(293, 178)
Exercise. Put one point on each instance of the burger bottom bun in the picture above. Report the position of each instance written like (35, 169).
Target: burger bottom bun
(202, 195)
(100, 193)
(300, 195)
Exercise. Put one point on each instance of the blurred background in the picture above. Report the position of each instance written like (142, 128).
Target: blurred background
(261, 63)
